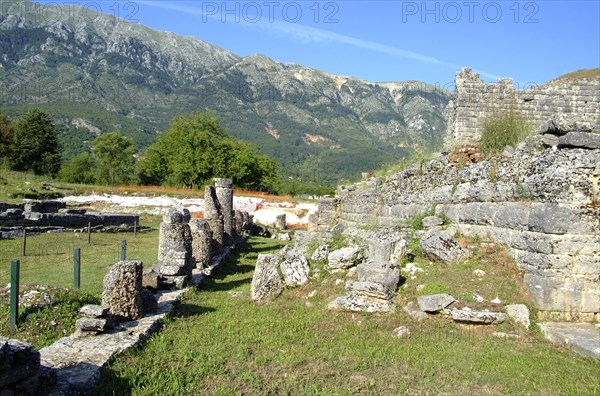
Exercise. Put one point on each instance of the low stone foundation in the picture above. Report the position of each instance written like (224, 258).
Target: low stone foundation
(541, 202)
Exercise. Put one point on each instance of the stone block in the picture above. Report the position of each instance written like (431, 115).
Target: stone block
(442, 246)
(344, 258)
(122, 290)
(91, 324)
(370, 289)
(294, 267)
(466, 315)
(94, 311)
(585, 140)
(201, 242)
(434, 302)
(355, 303)
(151, 280)
(266, 281)
(384, 273)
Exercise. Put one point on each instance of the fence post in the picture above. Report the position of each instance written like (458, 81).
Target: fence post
(14, 294)
(24, 250)
(123, 249)
(89, 232)
(135, 228)
(77, 269)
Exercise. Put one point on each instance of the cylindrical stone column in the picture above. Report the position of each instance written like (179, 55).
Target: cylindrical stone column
(239, 222)
(174, 246)
(201, 242)
(280, 221)
(212, 214)
(225, 197)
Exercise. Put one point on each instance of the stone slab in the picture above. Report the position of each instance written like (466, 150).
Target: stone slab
(583, 338)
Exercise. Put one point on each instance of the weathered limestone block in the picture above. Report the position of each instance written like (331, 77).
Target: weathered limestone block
(370, 289)
(512, 215)
(432, 221)
(91, 324)
(151, 280)
(122, 290)
(580, 139)
(294, 267)
(554, 219)
(519, 313)
(467, 315)
(385, 273)
(557, 293)
(174, 246)
(434, 302)
(389, 247)
(214, 217)
(224, 193)
(44, 206)
(356, 303)
(19, 363)
(321, 253)
(201, 242)
(266, 281)
(94, 311)
(344, 258)
(442, 247)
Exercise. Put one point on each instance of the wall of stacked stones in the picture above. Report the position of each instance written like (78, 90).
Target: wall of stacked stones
(543, 206)
(474, 100)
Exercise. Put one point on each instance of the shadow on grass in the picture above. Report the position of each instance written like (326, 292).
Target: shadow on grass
(184, 310)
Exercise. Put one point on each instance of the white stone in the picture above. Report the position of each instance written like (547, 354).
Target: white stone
(401, 332)
(519, 313)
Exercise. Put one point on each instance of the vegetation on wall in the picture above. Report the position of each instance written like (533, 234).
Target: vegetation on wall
(503, 129)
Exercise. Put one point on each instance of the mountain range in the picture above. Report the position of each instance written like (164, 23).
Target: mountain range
(95, 73)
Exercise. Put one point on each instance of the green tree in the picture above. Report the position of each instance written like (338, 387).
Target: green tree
(80, 169)
(115, 155)
(196, 148)
(7, 133)
(35, 144)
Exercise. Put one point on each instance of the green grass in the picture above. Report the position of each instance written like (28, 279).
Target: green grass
(582, 74)
(503, 129)
(218, 344)
(49, 262)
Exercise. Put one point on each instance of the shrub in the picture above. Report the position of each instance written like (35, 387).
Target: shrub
(503, 129)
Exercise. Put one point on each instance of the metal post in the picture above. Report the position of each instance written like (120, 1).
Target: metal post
(123, 249)
(135, 228)
(77, 269)
(89, 230)
(24, 242)
(14, 293)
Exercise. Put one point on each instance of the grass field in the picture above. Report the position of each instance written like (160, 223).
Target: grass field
(49, 262)
(221, 343)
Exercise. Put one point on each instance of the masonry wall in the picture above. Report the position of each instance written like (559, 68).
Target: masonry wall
(544, 206)
(474, 100)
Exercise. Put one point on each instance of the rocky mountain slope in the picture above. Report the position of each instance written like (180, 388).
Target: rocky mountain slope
(96, 73)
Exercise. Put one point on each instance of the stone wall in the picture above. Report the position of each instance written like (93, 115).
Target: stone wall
(474, 100)
(543, 204)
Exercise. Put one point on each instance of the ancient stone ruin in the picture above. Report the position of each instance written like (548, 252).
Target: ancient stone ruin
(122, 290)
(56, 214)
(539, 199)
(474, 100)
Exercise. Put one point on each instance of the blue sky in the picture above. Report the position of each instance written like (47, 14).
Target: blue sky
(531, 41)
